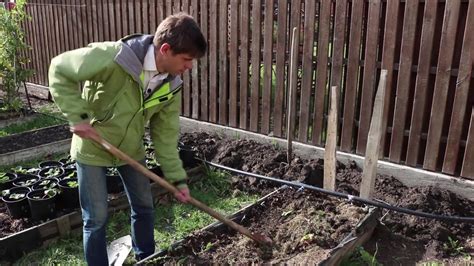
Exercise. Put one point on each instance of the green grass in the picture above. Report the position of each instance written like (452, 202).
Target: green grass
(38, 122)
(172, 222)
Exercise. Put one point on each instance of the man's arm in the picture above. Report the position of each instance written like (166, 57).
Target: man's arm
(164, 129)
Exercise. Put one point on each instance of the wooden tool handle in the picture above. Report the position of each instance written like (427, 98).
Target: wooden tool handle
(162, 182)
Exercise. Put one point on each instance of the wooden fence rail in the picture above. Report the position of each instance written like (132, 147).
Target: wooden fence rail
(242, 82)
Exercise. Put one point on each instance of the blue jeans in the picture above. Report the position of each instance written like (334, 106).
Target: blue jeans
(93, 198)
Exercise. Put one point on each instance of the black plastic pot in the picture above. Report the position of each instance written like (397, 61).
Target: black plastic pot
(49, 164)
(114, 183)
(45, 183)
(68, 173)
(25, 180)
(42, 206)
(187, 155)
(51, 172)
(9, 183)
(17, 207)
(69, 196)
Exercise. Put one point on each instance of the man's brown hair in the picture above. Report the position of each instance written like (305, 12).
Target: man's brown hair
(183, 34)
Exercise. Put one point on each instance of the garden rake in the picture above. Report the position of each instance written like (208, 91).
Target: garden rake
(259, 238)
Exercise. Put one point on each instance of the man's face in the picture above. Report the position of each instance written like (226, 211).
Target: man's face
(174, 64)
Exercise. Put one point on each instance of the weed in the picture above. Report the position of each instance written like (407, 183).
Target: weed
(454, 248)
(361, 257)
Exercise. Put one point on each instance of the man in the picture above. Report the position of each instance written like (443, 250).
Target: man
(126, 85)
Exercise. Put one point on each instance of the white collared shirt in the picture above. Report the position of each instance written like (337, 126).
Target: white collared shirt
(152, 78)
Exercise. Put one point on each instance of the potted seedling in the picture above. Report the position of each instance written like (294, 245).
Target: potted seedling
(42, 203)
(68, 173)
(188, 155)
(25, 180)
(154, 166)
(46, 183)
(69, 193)
(6, 180)
(17, 204)
(51, 172)
(49, 164)
(114, 183)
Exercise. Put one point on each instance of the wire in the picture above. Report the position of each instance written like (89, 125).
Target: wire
(346, 196)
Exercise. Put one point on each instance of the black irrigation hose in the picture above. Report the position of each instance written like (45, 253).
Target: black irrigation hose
(346, 196)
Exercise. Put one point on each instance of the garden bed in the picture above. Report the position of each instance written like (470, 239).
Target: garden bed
(306, 227)
(270, 160)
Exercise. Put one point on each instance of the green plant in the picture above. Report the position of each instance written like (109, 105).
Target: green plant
(27, 182)
(3, 178)
(72, 184)
(454, 248)
(17, 196)
(13, 61)
(361, 257)
(52, 172)
(5, 192)
(20, 170)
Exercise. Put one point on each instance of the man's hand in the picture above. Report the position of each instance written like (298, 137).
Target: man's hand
(84, 130)
(183, 194)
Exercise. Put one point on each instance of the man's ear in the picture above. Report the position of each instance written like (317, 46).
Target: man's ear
(165, 48)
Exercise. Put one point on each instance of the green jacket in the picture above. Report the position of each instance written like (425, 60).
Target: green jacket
(112, 101)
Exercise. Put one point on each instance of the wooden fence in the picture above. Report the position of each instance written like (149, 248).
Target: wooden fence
(242, 81)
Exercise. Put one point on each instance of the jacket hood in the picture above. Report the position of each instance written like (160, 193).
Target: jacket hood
(132, 53)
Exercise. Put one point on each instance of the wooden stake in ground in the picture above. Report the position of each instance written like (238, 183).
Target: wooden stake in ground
(330, 149)
(373, 141)
(291, 96)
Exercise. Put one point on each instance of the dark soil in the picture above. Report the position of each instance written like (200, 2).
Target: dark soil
(34, 138)
(8, 225)
(429, 235)
(304, 226)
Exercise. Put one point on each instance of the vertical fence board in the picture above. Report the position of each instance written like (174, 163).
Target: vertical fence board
(280, 68)
(31, 41)
(146, 15)
(213, 107)
(138, 16)
(254, 93)
(43, 43)
(118, 20)
(47, 38)
(369, 79)
(441, 84)
(267, 66)
(125, 24)
(90, 21)
(308, 70)
(112, 18)
(421, 85)
(468, 164)
(195, 71)
(186, 108)
(223, 67)
(461, 96)
(295, 21)
(131, 18)
(321, 70)
(353, 73)
(388, 54)
(203, 62)
(233, 63)
(404, 76)
(154, 20)
(244, 63)
(338, 44)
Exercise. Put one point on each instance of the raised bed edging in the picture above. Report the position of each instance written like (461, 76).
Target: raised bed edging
(35, 152)
(361, 233)
(13, 246)
(409, 176)
(21, 118)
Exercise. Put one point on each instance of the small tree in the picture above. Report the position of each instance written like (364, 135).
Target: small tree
(12, 57)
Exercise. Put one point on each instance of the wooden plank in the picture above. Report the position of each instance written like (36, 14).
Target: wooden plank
(213, 97)
(338, 43)
(131, 17)
(63, 225)
(321, 70)
(308, 69)
(373, 145)
(292, 93)
(118, 20)
(100, 21)
(203, 62)
(169, 8)
(461, 97)
(280, 68)
(404, 80)
(353, 73)
(295, 22)
(267, 66)
(421, 84)
(195, 71)
(34, 43)
(138, 16)
(44, 45)
(186, 108)
(146, 15)
(329, 180)
(53, 47)
(124, 14)
(468, 163)
(244, 62)
(368, 80)
(106, 21)
(93, 15)
(388, 54)
(255, 61)
(438, 108)
(153, 21)
(89, 17)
